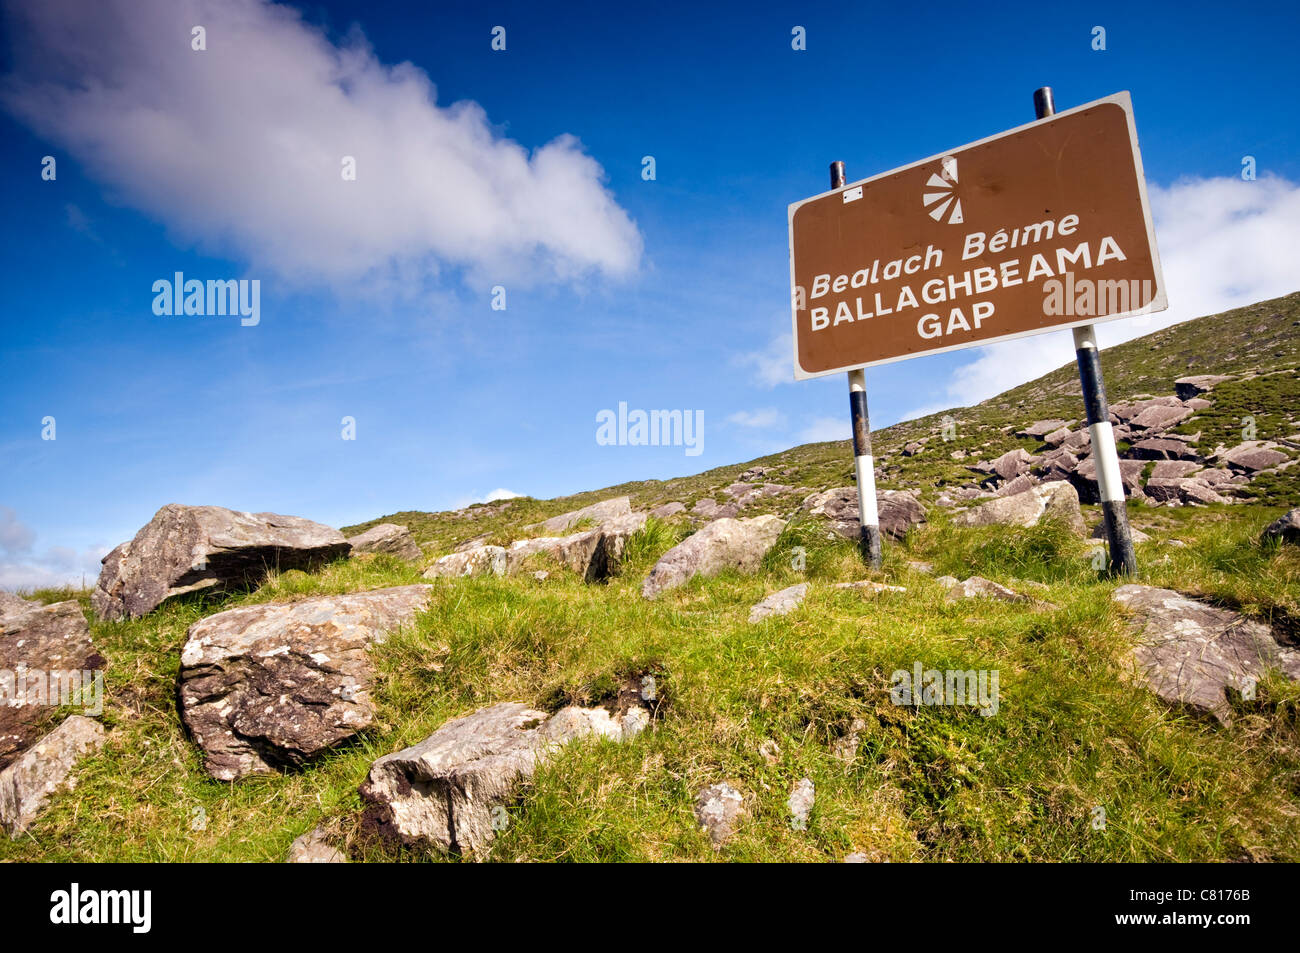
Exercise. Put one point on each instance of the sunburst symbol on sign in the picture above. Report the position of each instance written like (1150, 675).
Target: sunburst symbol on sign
(940, 198)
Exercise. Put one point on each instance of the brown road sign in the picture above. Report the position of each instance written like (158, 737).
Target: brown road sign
(1042, 227)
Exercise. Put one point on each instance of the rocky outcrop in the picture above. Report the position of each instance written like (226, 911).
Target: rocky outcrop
(667, 510)
(594, 554)
(898, 510)
(1187, 388)
(191, 548)
(1285, 528)
(45, 769)
(269, 686)
(977, 587)
(1253, 456)
(596, 513)
(47, 659)
(1191, 653)
(479, 561)
(1052, 500)
(388, 539)
(450, 791)
(779, 603)
(722, 544)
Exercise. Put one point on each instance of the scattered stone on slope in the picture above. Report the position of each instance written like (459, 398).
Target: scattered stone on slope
(1185, 490)
(1041, 428)
(388, 539)
(978, 587)
(719, 809)
(479, 561)
(1192, 653)
(845, 747)
(51, 647)
(314, 848)
(1013, 463)
(1253, 456)
(190, 548)
(1188, 387)
(711, 509)
(1174, 469)
(1020, 484)
(1057, 437)
(1084, 479)
(898, 510)
(268, 686)
(1157, 418)
(44, 769)
(1078, 443)
(450, 790)
(876, 588)
(1285, 527)
(779, 603)
(1162, 448)
(1056, 500)
(596, 512)
(593, 554)
(722, 544)
(803, 796)
(1056, 465)
(666, 510)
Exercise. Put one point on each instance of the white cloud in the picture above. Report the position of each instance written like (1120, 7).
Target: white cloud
(22, 567)
(501, 493)
(826, 428)
(765, 418)
(1223, 243)
(239, 148)
(773, 364)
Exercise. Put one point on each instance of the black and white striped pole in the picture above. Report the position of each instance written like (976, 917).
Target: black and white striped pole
(863, 465)
(1110, 484)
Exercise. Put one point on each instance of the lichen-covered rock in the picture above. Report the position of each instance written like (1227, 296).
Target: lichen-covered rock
(897, 510)
(596, 513)
(450, 791)
(593, 554)
(1285, 528)
(191, 548)
(978, 587)
(1192, 653)
(44, 769)
(779, 603)
(478, 561)
(47, 659)
(1056, 500)
(722, 544)
(719, 809)
(263, 687)
(387, 539)
(315, 848)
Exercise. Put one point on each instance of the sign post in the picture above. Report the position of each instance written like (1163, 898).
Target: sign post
(864, 467)
(1110, 484)
(1039, 228)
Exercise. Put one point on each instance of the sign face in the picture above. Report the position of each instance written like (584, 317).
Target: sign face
(1042, 227)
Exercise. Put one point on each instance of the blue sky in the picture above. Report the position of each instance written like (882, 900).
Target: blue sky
(672, 293)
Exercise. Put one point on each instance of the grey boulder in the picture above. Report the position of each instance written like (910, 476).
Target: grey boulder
(596, 512)
(51, 646)
(191, 548)
(45, 769)
(1285, 528)
(387, 539)
(450, 791)
(478, 561)
(779, 603)
(1056, 500)
(269, 686)
(897, 510)
(722, 544)
(593, 554)
(719, 809)
(1192, 653)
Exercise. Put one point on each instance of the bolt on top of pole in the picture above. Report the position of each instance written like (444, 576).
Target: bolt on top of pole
(1044, 103)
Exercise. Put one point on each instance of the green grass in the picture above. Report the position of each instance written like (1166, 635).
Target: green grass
(1073, 732)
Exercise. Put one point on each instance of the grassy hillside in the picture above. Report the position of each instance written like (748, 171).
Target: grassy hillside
(1075, 731)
